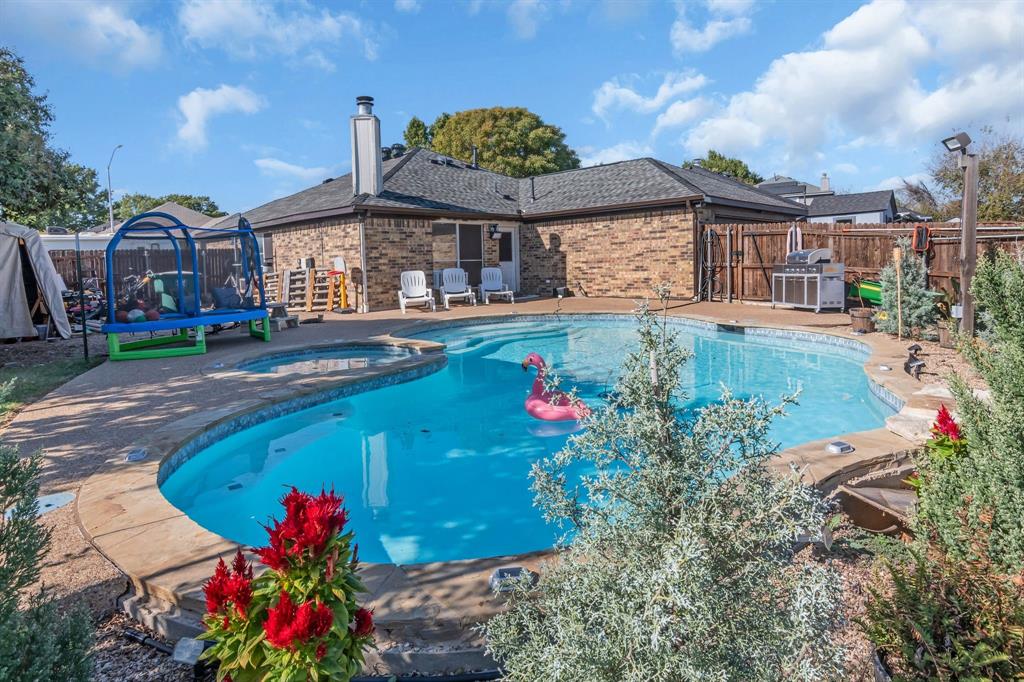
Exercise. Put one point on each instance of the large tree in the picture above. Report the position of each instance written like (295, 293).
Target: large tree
(30, 169)
(416, 134)
(1000, 181)
(510, 140)
(726, 165)
(133, 204)
(77, 203)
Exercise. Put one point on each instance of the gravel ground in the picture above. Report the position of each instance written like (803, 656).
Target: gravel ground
(940, 363)
(117, 658)
(855, 572)
(31, 353)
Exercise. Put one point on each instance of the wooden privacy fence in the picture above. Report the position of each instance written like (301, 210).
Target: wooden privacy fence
(216, 264)
(864, 249)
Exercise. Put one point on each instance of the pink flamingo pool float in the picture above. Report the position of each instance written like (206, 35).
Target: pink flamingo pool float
(552, 406)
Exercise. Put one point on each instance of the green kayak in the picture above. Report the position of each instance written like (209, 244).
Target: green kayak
(866, 290)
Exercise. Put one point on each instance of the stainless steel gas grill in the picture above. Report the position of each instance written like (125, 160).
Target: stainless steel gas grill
(809, 279)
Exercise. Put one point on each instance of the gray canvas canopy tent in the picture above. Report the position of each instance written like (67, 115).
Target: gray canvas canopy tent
(30, 288)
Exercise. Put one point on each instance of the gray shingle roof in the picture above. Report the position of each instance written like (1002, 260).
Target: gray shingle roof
(614, 184)
(428, 180)
(422, 179)
(718, 188)
(862, 202)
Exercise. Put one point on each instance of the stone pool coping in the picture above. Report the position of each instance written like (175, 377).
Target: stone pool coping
(167, 556)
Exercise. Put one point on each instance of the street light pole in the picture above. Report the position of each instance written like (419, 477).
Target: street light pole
(110, 195)
(968, 239)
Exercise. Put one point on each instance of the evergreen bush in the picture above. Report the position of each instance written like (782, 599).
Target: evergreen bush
(987, 477)
(953, 604)
(915, 301)
(680, 560)
(38, 643)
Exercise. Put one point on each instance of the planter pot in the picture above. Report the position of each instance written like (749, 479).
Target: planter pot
(881, 669)
(945, 336)
(862, 319)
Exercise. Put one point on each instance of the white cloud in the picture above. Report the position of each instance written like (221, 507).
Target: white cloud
(198, 106)
(98, 32)
(410, 6)
(613, 94)
(276, 167)
(896, 182)
(865, 85)
(848, 168)
(525, 17)
(248, 29)
(620, 152)
(681, 113)
(473, 6)
(727, 18)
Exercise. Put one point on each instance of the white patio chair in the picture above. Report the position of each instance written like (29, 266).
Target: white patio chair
(415, 290)
(491, 284)
(454, 286)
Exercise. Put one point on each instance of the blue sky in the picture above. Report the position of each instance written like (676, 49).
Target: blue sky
(248, 101)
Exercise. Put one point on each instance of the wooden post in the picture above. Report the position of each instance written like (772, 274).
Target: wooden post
(968, 240)
(898, 260)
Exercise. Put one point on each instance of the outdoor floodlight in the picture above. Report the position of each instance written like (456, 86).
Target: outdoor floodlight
(957, 143)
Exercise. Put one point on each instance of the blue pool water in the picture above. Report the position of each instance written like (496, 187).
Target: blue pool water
(327, 360)
(436, 469)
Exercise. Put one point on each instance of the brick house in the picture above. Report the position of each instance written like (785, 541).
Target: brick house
(610, 230)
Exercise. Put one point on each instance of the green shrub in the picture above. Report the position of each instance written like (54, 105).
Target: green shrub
(298, 620)
(987, 477)
(953, 605)
(948, 619)
(37, 642)
(915, 301)
(680, 564)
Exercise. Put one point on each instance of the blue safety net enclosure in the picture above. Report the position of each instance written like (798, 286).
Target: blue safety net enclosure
(169, 281)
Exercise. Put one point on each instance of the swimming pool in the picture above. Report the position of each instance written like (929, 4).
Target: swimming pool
(322, 361)
(435, 469)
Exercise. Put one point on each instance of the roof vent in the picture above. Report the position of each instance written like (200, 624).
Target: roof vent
(397, 150)
(475, 164)
(328, 180)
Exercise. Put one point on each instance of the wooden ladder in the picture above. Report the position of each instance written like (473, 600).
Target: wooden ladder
(297, 291)
(272, 286)
(327, 291)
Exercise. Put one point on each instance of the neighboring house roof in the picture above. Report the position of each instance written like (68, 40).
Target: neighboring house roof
(845, 204)
(425, 180)
(781, 185)
(183, 213)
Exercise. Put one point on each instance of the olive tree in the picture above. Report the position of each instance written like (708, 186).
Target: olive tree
(678, 562)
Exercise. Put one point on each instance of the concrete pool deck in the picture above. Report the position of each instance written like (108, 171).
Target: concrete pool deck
(121, 527)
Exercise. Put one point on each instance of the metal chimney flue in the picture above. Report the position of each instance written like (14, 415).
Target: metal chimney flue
(533, 190)
(367, 157)
(474, 157)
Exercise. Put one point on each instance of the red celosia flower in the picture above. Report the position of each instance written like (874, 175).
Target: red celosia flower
(287, 627)
(945, 425)
(229, 586)
(216, 588)
(309, 524)
(240, 566)
(321, 651)
(363, 623)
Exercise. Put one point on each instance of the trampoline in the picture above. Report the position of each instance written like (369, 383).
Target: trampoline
(208, 277)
